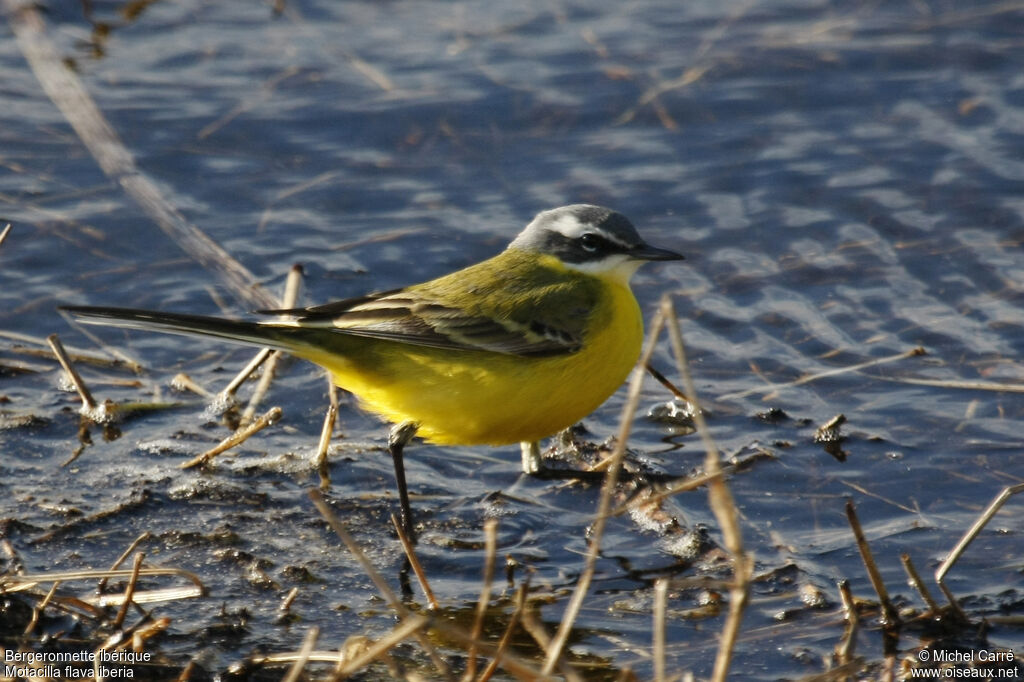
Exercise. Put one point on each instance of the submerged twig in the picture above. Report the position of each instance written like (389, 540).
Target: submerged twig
(771, 388)
(68, 93)
(271, 416)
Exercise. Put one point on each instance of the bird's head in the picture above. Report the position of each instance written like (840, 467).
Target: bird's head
(591, 239)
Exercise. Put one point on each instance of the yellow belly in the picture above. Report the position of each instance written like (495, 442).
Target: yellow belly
(480, 397)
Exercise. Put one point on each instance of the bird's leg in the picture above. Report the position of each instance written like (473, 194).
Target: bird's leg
(397, 439)
(531, 456)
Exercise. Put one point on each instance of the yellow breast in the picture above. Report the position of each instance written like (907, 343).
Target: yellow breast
(463, 397)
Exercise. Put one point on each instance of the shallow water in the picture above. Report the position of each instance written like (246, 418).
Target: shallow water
(844, 178)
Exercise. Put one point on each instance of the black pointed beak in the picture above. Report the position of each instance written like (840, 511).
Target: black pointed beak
(647, 252)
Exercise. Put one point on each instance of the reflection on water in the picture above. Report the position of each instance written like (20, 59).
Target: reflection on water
(843, 178)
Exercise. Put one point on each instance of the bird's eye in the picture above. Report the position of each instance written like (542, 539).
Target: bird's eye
(591, 242)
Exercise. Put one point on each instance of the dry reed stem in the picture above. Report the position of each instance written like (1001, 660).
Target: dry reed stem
(182, 381)
(315, 656)
(241, 377)
(124, 556)
(325, 436)
(506, 638)
(68, 93)
(20, 583)
(288, 301)
(382, 586)
(889, 614)
(37, 611)
(848, 644)
(119, 357)
(129, 591)
(88, 402)
(81, 357)
(513, 665)
(915, 580)
(238, 437)
(722, 505)
(4, 233)
(491, 548)
(414, 561)
(409, 626)
(554, 651)
(264, 92)
(658, 645)
(963, 385)
(289, 599)
(771, 388)
(148, 631)
(968, 537)
(664, 381)
(308, 642)
(680, 487)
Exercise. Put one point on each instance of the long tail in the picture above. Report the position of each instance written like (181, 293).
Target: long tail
(242, 332)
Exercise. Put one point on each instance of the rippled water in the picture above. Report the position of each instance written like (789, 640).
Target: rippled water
(844, 178)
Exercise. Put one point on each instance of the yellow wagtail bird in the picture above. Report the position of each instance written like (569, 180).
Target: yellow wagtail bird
(512, 349)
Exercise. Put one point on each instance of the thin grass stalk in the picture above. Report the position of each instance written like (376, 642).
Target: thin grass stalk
(382, 586)
(414, 623)
(660, 605)
(129, 591)
(237, 438)
(240, 378)
(874, 575)
(308, 642)
(124, 557)
(915, 580)
(722, 505)
(288, 301)
(414, 561)
(604, 506)
(491, 548)
(771, 388)
(38, 610)
(506, 638)
(88, 402)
